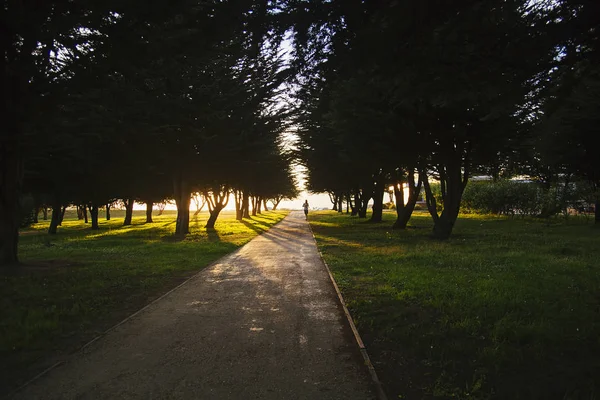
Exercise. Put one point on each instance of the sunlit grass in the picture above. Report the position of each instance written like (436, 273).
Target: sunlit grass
(507, 309)
(80, 281)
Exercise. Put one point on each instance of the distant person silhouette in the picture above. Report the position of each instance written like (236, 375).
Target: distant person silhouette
(305, 206)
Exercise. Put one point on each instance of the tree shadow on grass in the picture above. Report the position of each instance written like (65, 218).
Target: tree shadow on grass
(174, 238)
(256, 228)
(213, 235)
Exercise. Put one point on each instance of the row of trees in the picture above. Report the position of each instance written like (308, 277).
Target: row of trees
(146, 100)
(140, 101)
(405, 93)
(31, 211)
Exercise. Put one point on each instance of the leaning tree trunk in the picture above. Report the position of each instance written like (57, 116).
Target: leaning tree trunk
(212, 219)
(334, 200)
(128, 211)
(94, 216)
(62, 215)
(404, 211)
(10, 186)
(199, 208)
(108, 212)
(276, 202)
(216, 202)
(455, 185)
(452, 185)
(265, 205)
(55, 218)
(149, 205)
(183, 196)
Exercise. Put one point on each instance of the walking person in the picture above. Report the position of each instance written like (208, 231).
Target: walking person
(305, 206)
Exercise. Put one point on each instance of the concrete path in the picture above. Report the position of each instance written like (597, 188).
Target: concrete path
(262, 323)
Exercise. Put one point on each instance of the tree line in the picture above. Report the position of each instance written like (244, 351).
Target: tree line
(143, 101)
(403, 94)
(128, 101)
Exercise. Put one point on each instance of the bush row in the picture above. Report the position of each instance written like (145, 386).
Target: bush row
(527, 198)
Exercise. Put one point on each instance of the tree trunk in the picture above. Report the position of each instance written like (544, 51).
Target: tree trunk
(62, 215)
(94, 216)
(149, 205)
(183, 196)
(353, 205)
(199, 208)
(348, 203)
(214, 214)
(246, 205)
(217, 202)
(378, 194)
(258, 205)
(442, 229)
(45, 213)
(79, 212)
(340, 198)
(265, 205)
(362, 212)
(404, 211)
(108, 212)
(85, 215)
(10, 189)
(239, 213)
(254, 206)
(334, 201)
(55, 219)
(36, 213)
(362, 203)
(452, 188)
(128, 211)
(276, 202)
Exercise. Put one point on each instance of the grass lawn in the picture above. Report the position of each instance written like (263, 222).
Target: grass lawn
(80, 282)
(506, 309)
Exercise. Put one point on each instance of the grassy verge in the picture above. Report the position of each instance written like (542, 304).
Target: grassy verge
(507, 309)
(80, 282)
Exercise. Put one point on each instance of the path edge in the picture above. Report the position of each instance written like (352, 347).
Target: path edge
(363, 350)
(131, 316)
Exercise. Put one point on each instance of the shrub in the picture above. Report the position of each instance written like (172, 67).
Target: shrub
(525, 198)
(502, 197)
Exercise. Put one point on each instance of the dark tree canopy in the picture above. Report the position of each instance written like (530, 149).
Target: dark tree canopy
(142, 101)
(447, 89)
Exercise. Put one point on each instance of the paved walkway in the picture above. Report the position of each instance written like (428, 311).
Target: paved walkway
(262, 323)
